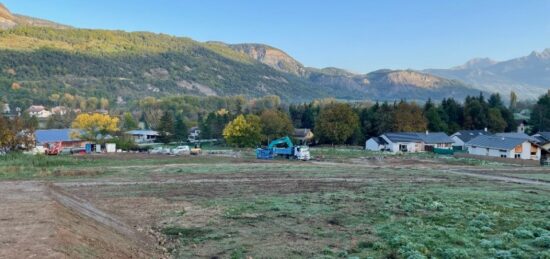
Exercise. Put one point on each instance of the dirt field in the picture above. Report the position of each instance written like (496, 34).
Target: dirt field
(379, 207)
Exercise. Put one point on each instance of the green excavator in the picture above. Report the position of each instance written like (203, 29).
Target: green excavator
(285, 148)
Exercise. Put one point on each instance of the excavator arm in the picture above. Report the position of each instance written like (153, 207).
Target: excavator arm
(284, 140)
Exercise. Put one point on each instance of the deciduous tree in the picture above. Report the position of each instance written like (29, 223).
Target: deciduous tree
(243, 131)
(95, 126)
(275, 124)
(337, 122)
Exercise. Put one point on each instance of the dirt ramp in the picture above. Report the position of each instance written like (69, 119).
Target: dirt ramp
(85, 231)
(38, 223)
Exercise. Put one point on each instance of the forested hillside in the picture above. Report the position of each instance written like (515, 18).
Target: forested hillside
(36, 62)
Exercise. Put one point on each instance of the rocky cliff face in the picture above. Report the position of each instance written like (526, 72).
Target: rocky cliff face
(272, 57)
(9, 20)
(412, 78)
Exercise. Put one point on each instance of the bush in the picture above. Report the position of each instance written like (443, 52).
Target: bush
(503, 254)
(523, 233)
(454, 253)
(543, 241)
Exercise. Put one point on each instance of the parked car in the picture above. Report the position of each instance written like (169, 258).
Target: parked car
(157, 150)
(66, 151)
(181, 150)
(78, 150)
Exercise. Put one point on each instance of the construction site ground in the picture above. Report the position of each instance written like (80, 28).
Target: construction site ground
(342, 204)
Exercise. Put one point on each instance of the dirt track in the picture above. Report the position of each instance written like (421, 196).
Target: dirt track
(38, 223)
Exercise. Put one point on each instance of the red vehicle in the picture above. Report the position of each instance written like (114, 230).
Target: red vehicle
(54, 149)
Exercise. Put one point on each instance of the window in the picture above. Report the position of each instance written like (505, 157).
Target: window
(516, 156)
(503, 155)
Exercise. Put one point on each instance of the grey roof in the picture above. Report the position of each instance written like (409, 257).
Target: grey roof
(301, 133)
(143, 132)
(435, 138)
(543, 136)
(496, 142)
(379, 140)
(519, 135)
(467, 135)
(428, 138)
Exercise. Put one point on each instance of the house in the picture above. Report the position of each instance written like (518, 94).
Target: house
(416, 142)
(303, 136)
(6, 108)
(543, 140)
(50, 136)
(505, 147)
(60, 110)
(460, 138)
(376, 144)
(39, 111)
(144, 136)
(194, 134)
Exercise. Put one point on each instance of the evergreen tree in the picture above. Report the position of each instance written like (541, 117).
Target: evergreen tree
(180, 130)
(166, 128)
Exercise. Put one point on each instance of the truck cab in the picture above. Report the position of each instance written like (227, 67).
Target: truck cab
(302, 153)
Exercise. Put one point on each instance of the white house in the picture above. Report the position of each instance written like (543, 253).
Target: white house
(416, 142)
(505, 147)
(376, 144)
(39, 111)
(144, 136)
(194, 134)
(60, 110)
(462, 137)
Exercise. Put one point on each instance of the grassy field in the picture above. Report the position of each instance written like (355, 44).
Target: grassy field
(350, 204)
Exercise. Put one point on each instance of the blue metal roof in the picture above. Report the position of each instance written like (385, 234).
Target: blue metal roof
(54, 135)
(428, 138)
(496, 142)
(467, 135)
(519, 135)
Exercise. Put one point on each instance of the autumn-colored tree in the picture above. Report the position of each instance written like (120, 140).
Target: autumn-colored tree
(243, 131)
(94, 126)
(16, 133)
(104, 103)
(275, 124)
(336, 123)
(409, 117)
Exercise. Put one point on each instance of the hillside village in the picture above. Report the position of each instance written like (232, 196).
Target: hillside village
(54, 128)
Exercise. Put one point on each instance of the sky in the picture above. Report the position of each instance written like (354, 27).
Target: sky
(357, 35)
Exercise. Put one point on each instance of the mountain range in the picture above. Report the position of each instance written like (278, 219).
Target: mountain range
(528, 76)
(41, 58)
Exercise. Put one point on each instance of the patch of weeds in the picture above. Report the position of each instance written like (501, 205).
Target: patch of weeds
(182, 232)
(503, 254)
(454, 253)
(523, 233)
(542, 241)
(238, 253)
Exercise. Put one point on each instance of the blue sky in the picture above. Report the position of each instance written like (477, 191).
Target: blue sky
(358, 35)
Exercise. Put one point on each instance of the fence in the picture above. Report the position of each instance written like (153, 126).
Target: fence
(499, 159)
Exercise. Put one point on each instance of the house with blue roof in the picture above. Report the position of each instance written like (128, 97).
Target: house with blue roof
(504, 146)
(410, 142)
(63, 136)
